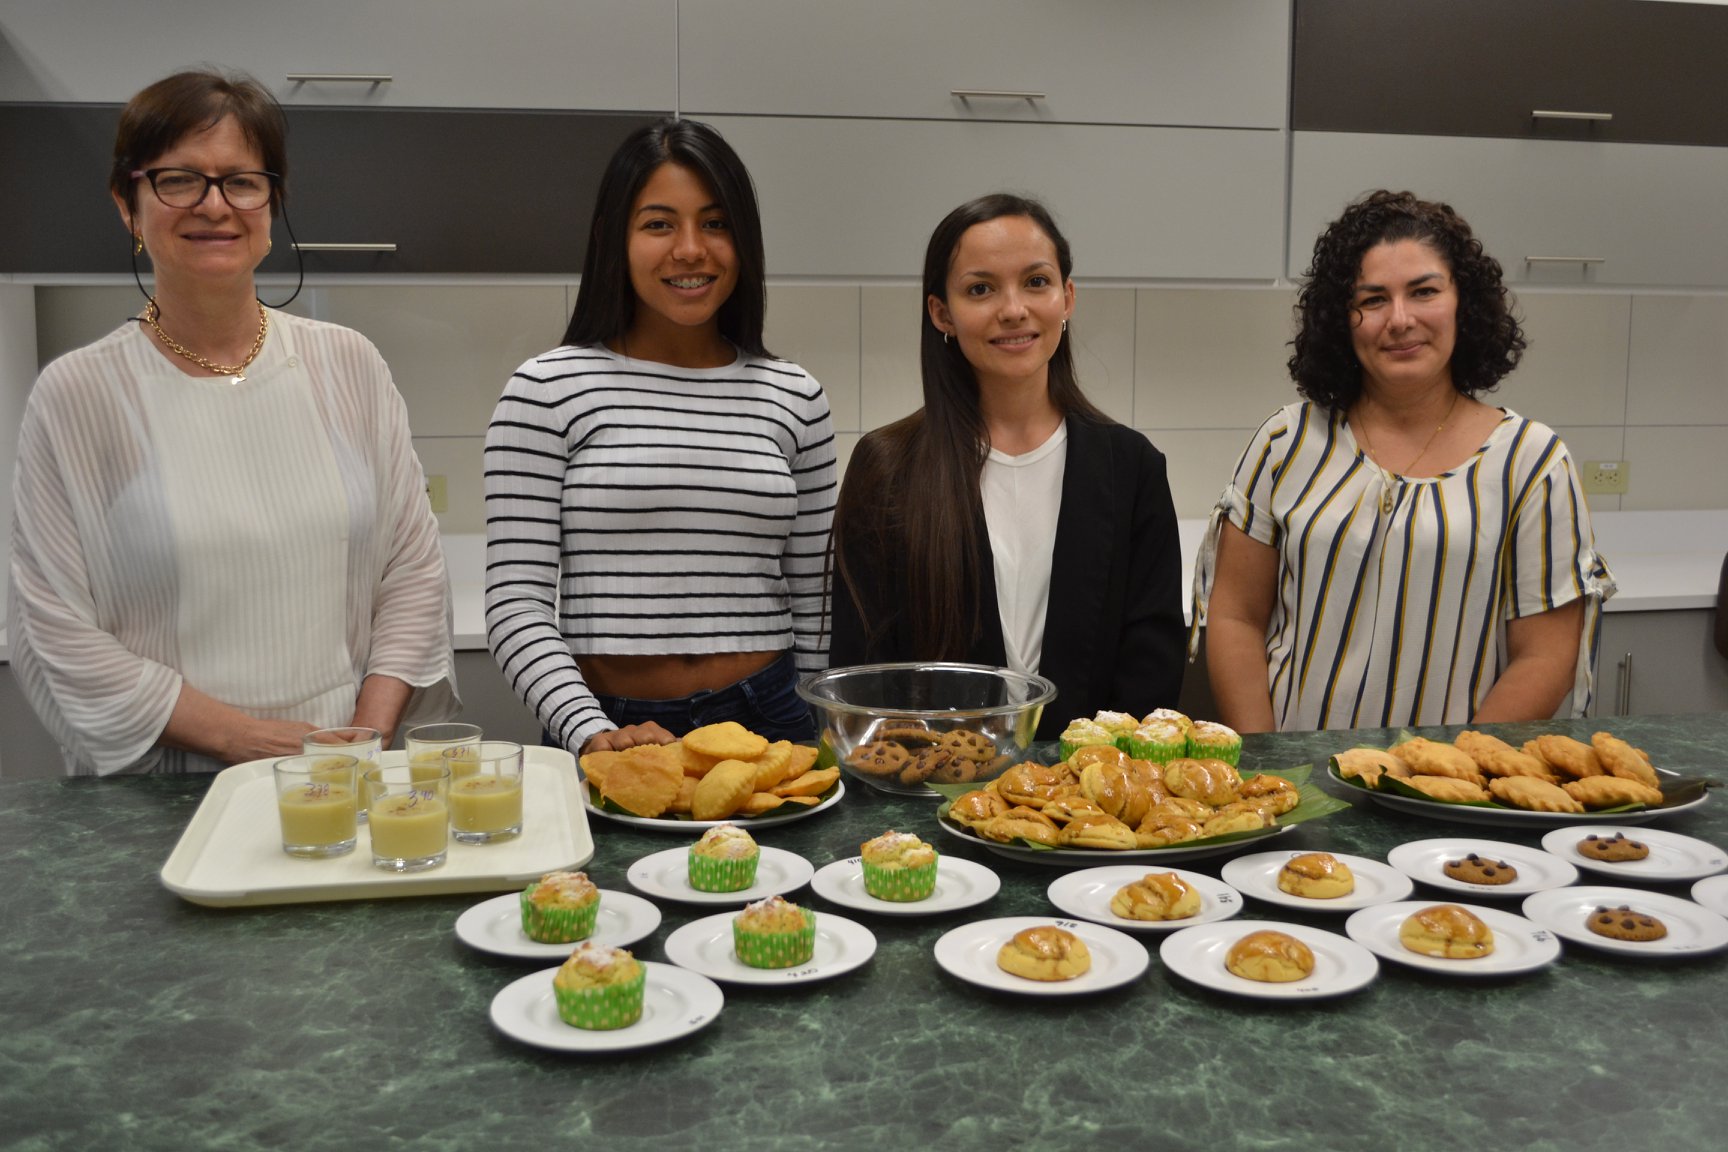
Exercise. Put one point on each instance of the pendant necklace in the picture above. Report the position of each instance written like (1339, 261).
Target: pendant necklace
(236, 373)
(1386, 497)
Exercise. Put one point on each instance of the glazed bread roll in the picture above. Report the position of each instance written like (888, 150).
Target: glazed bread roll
(1045, 953)
(1447, 931)
(1316, 876)
(1156, 896)
(1270, 957)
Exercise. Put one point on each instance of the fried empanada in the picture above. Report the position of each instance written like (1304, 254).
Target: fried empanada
(1573, 758)
(1446, 788)
(1532, 794)
(1477, 745)
(1611, 792)
(1622, 760)
(727, 740)
(643, 780)
(723, 791)
(812, 783)
(1511, 762)
(1368, 765)
(772, 765)
(1431, 758)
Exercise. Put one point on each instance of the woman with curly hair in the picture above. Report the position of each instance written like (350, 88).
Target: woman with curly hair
(1392, 550)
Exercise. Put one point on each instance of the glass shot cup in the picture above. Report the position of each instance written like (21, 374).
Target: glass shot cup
(486, 805)
(315, 801)
(450, 744)
(409, 816)
(364, 744)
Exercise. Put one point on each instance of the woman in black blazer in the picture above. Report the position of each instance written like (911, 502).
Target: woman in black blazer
(1009, 522)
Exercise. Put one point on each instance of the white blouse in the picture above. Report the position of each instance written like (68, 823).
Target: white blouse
(1022, 496)
(267, 542)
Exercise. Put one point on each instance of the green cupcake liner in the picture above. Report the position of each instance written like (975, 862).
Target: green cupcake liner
(1230, 753)
(602, 1009)
(710, 874)
(776, 949)
(900, 884)
(557, 925)
(1157, 751)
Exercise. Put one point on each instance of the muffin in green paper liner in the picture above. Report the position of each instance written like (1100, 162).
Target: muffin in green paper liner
(724, 860)
(560, 908)
(1159, 741)
(1213, 741)
(1081, 733)
(1120, 725)
(1169, 716)
(599, 988)
(899, 866)
(774, 933)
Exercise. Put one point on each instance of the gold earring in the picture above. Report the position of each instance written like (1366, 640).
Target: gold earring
(137, 243)
(269, 244)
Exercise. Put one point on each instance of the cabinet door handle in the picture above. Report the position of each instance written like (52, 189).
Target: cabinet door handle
(346, 247)
(1553, 114)
(1565, 259)
(994, 94)
(1623, 706)
(339, 78)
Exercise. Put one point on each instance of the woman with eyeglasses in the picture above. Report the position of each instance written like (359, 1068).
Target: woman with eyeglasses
(222, 539)
(659, 487)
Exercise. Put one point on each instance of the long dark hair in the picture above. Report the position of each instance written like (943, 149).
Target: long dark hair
(1489, 341)
(605, 303)
(913, 486)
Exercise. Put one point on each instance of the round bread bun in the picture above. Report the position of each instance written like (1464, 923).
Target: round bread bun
(1156, 896)
(1316, 876)
(1045, 953)
(1447, 931)
(1270, 957)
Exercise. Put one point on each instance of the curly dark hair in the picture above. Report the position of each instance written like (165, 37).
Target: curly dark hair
(1489, 341)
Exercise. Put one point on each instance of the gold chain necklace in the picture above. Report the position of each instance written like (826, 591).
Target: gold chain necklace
(1385, 476)
(236, 372)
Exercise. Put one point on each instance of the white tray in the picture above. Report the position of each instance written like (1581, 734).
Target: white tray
(231, 852)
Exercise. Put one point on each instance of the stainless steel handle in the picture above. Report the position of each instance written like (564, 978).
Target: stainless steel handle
(346, 247)
(994, 94)
(1623, 705)
(1552, 114)
(1565, 259)
(339, 78)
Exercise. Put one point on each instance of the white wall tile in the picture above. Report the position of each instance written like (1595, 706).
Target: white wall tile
(1211, 358)
(450, 348)
(1676, 467)
(889, 379)
(458, 460)
(1679, 372)
(817, 327)
(844, 442)
(1200, 463)
(1103, 333)
(1589, 443)
(1575, 368)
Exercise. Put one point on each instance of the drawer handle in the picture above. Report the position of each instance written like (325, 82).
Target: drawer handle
(1565, 259)
(1624, 704)
(339, 78)
(346, 247)
(994, 94)
(1551, 114)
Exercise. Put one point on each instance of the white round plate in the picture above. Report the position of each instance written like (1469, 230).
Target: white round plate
(1712, 892)
(1341, 966)
(784, 814)
(1511, 817)
(960, 883)
(705, 946)
(1085, 857)
(1087, 894)
(1519, 944)
(1425, 860)
(1672, 856)
(674, 1003)
(666, 874)
(1376, 883)
(969, 953)
(1692, 929)
(495, 926)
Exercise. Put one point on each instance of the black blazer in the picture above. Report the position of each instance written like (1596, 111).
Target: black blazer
(1113, 631)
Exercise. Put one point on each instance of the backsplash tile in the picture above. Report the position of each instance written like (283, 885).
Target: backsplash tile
(1679, 369)
(1575, 368)
(1676, 467)
(1211, 358)
(817, 327)
(888, 369)
(1103, 334)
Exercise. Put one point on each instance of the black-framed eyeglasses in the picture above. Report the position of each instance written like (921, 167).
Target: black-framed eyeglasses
(184, 188)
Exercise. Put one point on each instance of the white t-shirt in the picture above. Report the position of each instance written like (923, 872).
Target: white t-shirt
(1022, 496)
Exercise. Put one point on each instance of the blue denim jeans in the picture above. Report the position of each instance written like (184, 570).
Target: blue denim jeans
(766, 702)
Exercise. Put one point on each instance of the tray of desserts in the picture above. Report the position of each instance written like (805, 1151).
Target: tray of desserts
(1552, 781)
(231, 851)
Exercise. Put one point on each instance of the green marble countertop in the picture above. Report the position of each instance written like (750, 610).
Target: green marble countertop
(136, 1020)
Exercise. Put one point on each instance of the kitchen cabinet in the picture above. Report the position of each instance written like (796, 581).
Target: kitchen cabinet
(453, 191)
(595, 54)
(860, 197)
(1655, 663)
(1222, 63)
(1551, 212)
(1621, 71)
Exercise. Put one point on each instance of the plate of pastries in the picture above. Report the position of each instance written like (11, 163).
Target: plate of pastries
(1549, 781)
(716, 774)
(1162, 798)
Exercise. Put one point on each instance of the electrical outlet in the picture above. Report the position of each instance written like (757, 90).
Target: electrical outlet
(1607, 477)
(437, 494)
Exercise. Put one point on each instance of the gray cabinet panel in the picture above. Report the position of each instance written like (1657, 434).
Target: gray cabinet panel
(455, 191)
(1653, 663)
(1481, 67)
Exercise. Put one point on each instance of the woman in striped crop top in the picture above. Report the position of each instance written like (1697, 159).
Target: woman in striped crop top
(659, 488)
(1392, 551)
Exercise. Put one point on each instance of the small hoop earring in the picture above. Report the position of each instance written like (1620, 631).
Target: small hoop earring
(1064, 324)
(944, 338)
(137, 243)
